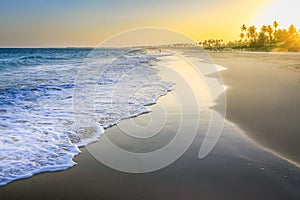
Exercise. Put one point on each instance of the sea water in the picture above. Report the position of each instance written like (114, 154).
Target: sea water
(39, 87)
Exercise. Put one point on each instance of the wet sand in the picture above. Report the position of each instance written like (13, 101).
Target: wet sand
(236, 168)
(264, 97)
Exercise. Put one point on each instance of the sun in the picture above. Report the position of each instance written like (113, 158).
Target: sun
(285, 12)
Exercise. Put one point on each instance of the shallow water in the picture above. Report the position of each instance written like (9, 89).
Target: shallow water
(38, 130)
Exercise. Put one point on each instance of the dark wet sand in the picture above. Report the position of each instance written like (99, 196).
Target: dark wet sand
(235, 169)
(264, 97)
(229, 172)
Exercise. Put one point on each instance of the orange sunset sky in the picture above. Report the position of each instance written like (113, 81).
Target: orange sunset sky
(64, 23)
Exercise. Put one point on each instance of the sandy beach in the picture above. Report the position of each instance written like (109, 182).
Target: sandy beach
(236, 168)
(264, 97)
(150, 100)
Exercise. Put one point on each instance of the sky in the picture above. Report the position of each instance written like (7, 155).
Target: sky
(72, 23)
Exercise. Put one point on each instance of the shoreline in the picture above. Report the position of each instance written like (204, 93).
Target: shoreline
(235, 167)
(276, 104)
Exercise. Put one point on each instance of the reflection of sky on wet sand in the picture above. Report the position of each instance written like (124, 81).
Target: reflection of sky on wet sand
(234, 160)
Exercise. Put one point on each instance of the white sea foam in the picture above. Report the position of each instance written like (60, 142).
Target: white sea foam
(37, 130)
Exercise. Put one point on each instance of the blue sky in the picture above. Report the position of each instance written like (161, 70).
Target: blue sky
(88, 22)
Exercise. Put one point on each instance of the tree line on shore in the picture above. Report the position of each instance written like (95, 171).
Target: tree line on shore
(268, 38)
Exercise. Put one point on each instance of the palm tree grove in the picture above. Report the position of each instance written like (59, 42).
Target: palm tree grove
(267, 38)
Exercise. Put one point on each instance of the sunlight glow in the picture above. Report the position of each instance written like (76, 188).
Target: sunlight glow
(285, 12)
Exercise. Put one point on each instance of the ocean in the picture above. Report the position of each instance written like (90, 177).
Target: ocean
(55, 100)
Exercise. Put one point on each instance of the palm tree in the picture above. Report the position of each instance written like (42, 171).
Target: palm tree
(261, 41)
(292, 31)
(270, 32)
(275, 25)
(264, 29)
(252, 33)
(262, 35)
(242, 35)
(243, 29)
